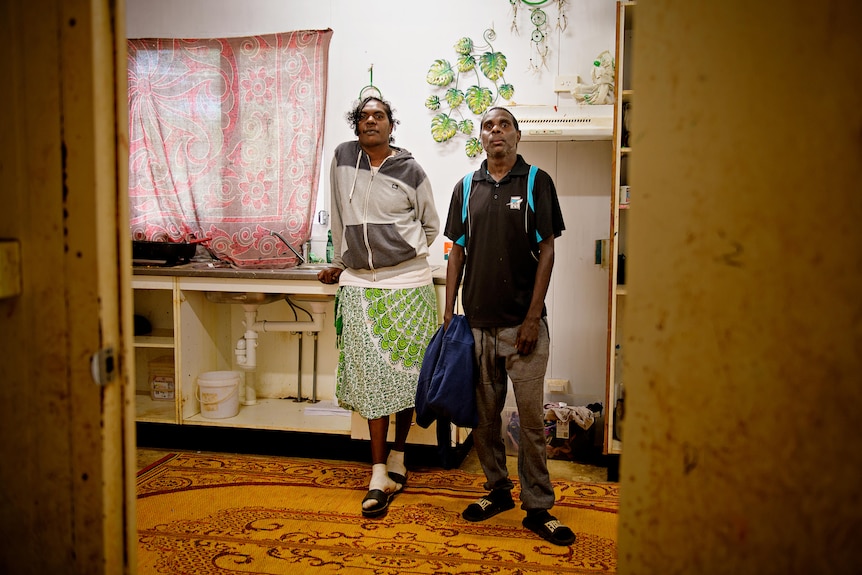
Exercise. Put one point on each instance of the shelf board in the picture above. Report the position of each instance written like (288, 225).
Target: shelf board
(163, 338)
(626, 150)
(150, 410)
(621, 290)
(278, 414)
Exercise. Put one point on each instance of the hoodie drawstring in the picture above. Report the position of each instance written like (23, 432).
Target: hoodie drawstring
(355, 175)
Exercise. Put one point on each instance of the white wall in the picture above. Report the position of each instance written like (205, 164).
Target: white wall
(402, 39)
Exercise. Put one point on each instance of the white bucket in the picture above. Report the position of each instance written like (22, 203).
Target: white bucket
(217, 393)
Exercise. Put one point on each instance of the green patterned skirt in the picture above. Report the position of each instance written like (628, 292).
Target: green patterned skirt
(382, 334)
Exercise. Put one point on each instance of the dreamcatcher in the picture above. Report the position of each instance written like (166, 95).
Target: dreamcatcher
(539, 19)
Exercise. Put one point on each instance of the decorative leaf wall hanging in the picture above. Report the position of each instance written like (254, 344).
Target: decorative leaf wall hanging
(481, 85)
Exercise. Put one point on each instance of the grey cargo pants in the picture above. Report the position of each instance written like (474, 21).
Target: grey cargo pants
(497, 361)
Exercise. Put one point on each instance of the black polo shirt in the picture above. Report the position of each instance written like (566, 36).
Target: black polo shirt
(500, 267)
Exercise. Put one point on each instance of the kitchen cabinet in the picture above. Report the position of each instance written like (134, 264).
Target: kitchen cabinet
(617, 250)
(198, 333)
(154, 303)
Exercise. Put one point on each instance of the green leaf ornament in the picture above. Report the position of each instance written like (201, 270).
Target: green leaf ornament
(466, 62)
(506, 91)
(463, 46)
(443, 128)
(465, 127)
(493, 64)
(454, 97)
(473, 147)
(432, 102)
(440, 73)
(478, 99)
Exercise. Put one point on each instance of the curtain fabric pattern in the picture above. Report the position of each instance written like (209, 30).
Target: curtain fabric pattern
(226, 137)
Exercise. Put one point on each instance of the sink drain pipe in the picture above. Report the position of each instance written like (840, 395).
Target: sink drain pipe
(299, 397)
(246, 346)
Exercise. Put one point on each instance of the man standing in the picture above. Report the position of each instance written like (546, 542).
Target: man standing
(502, 224)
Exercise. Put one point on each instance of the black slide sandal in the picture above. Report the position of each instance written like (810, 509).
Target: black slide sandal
(399, 479)
(550, 529)
(382, 499)
(486, 508)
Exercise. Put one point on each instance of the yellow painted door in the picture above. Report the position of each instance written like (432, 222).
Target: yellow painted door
(67, 477)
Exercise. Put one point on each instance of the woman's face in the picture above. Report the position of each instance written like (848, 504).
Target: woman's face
(373, 126)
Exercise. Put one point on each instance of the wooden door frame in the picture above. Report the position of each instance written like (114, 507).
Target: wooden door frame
(68, 475)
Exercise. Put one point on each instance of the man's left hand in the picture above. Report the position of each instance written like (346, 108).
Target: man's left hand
(528, 335)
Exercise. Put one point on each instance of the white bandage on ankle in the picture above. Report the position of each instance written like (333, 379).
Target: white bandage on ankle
(395, 462)
(380, 478)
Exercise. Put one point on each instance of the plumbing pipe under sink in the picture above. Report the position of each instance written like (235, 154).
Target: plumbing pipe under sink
(246, 356)
(246, 346)
(299, 398)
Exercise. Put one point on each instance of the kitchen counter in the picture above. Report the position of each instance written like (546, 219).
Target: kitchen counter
(223, 271)
(201, 313)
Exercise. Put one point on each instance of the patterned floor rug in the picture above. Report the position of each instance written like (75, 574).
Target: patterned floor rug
(204, 513)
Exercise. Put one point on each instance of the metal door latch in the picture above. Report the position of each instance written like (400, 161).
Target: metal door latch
(102, 366)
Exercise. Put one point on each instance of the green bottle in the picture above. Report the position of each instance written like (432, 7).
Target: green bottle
(330, 249)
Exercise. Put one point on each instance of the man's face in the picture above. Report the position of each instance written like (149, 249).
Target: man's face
(499, 136)
(373, 126)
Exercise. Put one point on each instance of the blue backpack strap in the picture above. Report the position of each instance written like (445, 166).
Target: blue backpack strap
(466, 184)
(531, 180)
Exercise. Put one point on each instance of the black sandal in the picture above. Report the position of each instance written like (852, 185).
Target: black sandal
(382, 499)
(549, 528)
(399, 479)
(487, 507)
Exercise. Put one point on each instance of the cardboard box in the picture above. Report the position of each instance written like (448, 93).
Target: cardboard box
(162, 378)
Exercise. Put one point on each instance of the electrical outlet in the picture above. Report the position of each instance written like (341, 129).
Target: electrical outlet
(564, 83)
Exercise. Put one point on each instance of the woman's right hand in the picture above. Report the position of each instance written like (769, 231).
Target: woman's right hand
(329, 275)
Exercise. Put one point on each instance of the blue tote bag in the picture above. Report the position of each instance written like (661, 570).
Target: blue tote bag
(446, 387)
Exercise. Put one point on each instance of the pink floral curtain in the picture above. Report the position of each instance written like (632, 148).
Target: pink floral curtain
(225, 143)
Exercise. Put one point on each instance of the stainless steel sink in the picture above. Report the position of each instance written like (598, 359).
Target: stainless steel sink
(239, 297)
(310, 297)
(312, 267)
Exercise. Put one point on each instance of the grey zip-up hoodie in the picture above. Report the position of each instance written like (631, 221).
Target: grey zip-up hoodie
(383, 223)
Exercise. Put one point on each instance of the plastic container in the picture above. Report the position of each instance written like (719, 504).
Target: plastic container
(218, 394)
(162, 378)
(511, 430)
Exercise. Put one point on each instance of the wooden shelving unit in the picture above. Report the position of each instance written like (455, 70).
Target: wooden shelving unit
(624, 97)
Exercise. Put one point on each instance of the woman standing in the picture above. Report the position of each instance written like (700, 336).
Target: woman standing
(383, 222)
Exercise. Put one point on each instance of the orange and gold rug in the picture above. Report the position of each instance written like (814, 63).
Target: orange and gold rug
(202, 514)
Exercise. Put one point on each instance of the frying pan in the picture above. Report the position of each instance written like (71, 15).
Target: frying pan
(162, 253)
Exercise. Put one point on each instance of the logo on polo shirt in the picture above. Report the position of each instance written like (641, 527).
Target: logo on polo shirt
(515, 203)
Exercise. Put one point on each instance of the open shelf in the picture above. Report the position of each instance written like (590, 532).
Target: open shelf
(154, 411)
(280, 414)
(159, 338)
(624, 100)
